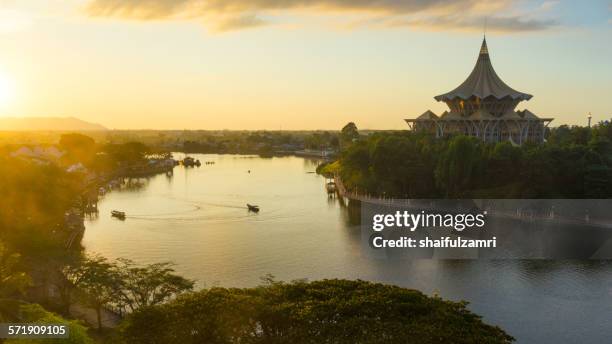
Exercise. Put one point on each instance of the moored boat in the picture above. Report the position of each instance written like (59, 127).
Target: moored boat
(331, 187)
(191, 162)
(118, 214)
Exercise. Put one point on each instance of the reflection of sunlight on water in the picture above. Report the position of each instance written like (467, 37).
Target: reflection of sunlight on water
(161, 215)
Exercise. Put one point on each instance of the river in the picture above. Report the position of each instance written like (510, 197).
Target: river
(197, 218)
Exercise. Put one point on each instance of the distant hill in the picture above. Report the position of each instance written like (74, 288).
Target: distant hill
(47, 123)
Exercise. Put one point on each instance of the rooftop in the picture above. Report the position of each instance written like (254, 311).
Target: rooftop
(483, 82)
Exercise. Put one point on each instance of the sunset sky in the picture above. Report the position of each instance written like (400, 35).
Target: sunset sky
(294, 64)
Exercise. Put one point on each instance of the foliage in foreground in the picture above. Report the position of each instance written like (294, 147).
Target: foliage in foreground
(34, 313)
(329, 311)
(122, 285)
(13, 283)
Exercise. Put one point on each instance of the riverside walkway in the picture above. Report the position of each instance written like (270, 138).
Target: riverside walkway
(519, 213)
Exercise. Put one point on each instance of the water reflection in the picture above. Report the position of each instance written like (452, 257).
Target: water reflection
(197, 218)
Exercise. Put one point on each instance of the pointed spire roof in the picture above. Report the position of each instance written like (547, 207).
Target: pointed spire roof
(483, 82)
(427, 115)
(484, 50)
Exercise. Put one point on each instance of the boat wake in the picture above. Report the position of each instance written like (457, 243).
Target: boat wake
(194, 208)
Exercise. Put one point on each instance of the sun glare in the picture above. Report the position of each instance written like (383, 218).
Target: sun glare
(7, 90)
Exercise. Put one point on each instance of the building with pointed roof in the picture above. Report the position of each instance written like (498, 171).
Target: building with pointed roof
(484, 106)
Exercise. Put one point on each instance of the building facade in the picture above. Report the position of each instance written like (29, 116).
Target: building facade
(483, 106)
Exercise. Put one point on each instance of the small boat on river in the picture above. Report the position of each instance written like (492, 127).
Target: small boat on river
(118, 214)
(253, 208)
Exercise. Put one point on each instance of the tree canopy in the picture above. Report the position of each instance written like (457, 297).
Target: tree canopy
(575, 163)
(329, 311)
(349, 133)
(78, 147)
(121, 285)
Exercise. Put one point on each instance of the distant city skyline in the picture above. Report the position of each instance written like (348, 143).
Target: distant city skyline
(292, 65)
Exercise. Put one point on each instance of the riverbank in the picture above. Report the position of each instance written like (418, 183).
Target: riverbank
(48, 284)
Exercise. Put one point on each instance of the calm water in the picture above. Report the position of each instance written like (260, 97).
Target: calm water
(197, 218)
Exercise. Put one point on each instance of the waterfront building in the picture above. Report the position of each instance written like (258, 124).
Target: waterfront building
(484, 106)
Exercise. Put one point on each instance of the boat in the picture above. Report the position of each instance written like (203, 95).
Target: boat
(191, 162)
(253, 208)
(118, 214)
(331, 187)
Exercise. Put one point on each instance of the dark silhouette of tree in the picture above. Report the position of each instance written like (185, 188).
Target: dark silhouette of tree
(78, 148)
(329, 311)
(149, 285)
(99, 283)
(349, 133)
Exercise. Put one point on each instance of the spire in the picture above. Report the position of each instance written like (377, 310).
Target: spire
(483, 82)
(484, 50)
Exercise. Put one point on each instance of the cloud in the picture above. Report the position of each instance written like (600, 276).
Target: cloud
(226, 15)
(494, 24)
(549, 5)
(238, 23)
(159, 9)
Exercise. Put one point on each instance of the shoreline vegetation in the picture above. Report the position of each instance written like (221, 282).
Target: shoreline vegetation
(50, 186)
(574, 163)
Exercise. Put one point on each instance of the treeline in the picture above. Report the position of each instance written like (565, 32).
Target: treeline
(574, 163)
(259, 142)
(104, 157)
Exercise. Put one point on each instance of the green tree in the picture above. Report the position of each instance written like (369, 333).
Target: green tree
(73, 274)
(100, 283)
(34, 313)
(78, 147)
(349, 133)
(329, 311)
(603, 129)
(150, 285)
(459, 166)
(127, 153)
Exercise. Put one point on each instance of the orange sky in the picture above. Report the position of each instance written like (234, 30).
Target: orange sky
(237, 64)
